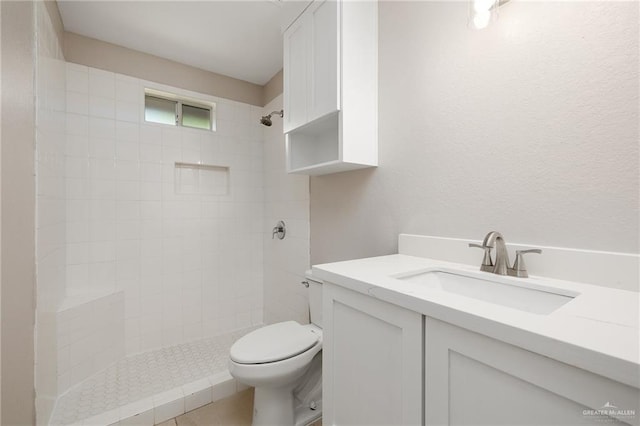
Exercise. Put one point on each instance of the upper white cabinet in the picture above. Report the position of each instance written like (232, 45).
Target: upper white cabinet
(297, 73)
(330, 87)
(311, 64)
(325, 94)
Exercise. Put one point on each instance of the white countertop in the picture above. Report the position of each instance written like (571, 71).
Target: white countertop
(599, 330)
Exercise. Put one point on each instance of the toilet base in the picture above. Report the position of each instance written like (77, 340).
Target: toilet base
(305, 416)
(299, 404)
(273, 406)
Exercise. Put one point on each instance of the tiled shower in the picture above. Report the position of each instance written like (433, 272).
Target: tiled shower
(188, 263)
(132, 256)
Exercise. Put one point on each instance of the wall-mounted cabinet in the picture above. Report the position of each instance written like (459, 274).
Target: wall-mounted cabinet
(331, 86)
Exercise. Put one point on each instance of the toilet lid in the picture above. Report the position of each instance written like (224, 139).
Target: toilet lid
(273, 343)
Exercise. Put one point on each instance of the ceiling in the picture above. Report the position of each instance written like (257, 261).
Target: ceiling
(240, 38)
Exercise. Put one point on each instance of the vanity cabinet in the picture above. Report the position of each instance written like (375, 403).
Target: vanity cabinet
(471, 379)
(330, 87)
(377, 356)
(372, 361)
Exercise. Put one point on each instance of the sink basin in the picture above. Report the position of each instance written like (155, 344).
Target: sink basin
(528, 297)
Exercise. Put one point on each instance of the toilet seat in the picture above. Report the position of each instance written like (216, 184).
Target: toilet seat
(273, 343)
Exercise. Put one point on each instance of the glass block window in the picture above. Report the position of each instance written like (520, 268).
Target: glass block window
(178, 112)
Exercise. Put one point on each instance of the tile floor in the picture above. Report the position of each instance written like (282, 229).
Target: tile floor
(236, 410)
(157, 385)
(233, 411)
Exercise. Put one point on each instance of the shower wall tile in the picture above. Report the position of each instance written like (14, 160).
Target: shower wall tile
(90, 337)
(77, 103)
(101, 83)
(127, 89)
(189, 265)
(77, 78)
(285, 261)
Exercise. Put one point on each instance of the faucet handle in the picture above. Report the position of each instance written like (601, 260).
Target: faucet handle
(487, 263)
(519, 268)
(279, 230)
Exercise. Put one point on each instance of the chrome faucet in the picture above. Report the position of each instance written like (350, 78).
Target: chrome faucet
(494, 239)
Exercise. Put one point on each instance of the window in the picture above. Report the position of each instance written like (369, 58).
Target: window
(159, 110)
(165, 108)
(195, 116)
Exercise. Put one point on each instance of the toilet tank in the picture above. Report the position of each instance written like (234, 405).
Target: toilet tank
(315, 299)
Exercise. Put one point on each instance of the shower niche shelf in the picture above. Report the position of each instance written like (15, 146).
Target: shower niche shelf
(203, 179)
(330, 88)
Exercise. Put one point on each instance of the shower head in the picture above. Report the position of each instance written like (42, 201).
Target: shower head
(266, 119)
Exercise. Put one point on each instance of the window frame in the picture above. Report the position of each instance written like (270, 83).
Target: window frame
(180, 100)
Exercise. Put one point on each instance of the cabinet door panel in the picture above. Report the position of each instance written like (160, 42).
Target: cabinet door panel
(472, 379)
(372, 361)
(330, 87)
(296, 73)
(324, 16)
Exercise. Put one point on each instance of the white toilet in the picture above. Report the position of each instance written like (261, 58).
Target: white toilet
(283, 362)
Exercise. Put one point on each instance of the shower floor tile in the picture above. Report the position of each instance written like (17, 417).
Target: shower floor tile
(162, 381)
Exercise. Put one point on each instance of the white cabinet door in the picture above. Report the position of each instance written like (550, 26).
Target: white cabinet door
(330, 87)
(297, 58)
(324, 16)
(471, 379)
(372, 361)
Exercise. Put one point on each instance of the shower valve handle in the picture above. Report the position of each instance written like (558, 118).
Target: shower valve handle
(279, 230)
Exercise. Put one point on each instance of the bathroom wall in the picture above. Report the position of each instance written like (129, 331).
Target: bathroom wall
(56, 20)
(273, 88)
(529, 127)
(50, 205)
(110, 57)
(189, 264)
(18, 211)
(286, 198)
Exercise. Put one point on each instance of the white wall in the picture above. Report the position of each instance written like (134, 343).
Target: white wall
(50, 206)
(286, 198)
(529, 127)
(110, 57)
(18, 205)
(190, 265)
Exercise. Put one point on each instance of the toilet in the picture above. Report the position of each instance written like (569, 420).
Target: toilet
(283, 362)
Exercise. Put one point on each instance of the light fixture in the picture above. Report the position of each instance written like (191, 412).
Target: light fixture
(482, 12)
